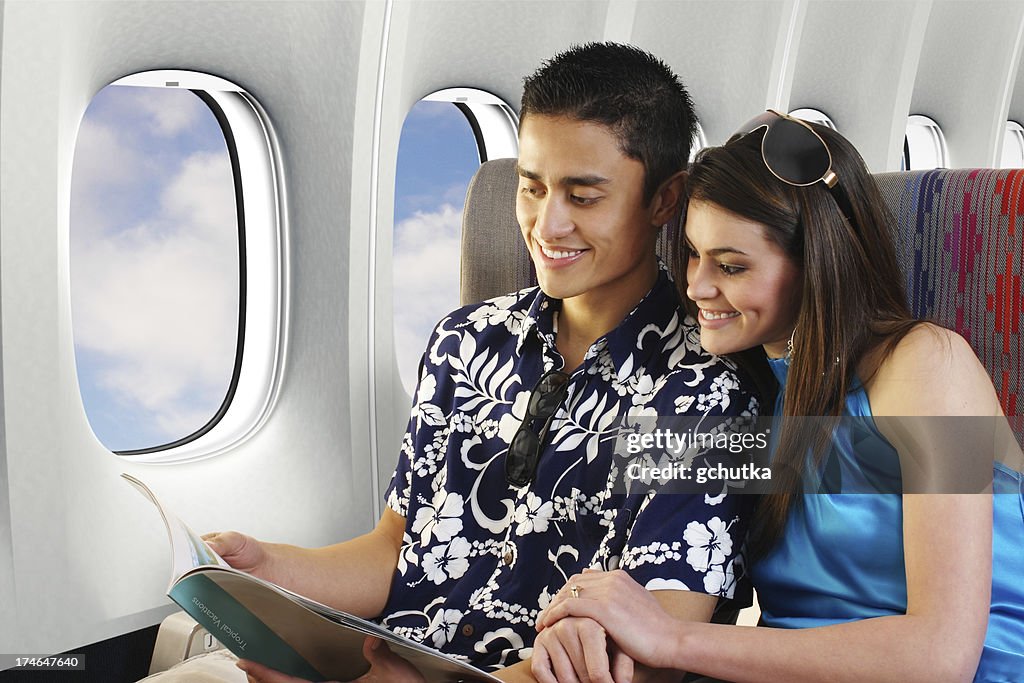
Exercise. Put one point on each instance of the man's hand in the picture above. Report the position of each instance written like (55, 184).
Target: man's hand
(385, 667)
(242, 552)
(353, 576)
(577, 650)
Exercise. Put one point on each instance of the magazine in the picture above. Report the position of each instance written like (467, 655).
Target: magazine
(268, 624)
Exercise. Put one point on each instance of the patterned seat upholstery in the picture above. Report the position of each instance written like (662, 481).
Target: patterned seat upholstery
(959, 240)
(960, 243)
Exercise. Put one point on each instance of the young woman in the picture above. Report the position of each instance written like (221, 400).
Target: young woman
(873, 558)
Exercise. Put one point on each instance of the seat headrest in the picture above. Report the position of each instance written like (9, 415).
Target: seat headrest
(494, 257)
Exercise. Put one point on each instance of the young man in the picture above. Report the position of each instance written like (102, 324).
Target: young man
(502, 490)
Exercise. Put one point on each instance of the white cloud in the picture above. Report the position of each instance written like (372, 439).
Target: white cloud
(102, 158)
(426, 281)
(200, 199)
(159, 301)
(104, 163)
(172, 111)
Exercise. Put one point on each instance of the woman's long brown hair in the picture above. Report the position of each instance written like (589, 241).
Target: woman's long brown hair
(853, 297)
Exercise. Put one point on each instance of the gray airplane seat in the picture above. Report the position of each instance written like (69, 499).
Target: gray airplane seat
(494, 257)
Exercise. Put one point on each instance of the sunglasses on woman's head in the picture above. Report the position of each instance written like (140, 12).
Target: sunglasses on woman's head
(795, 154)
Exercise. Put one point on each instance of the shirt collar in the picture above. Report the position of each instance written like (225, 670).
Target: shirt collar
(540, 320)
(658, 308)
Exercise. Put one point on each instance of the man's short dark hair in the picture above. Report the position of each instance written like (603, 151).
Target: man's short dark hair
(627, 89)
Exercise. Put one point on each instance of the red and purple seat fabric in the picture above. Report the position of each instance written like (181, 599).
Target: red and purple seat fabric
(960, 244)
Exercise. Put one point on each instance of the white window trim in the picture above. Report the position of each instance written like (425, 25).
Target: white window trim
(496, 121)
(1015, 131)
(497, 128)
(936, 137)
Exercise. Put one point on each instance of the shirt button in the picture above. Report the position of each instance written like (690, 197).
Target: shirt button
(467, 630)
(507, 559)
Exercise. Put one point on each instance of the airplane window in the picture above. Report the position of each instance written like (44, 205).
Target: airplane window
(1013, 146)
(814, 116)
(158, 264)
(444, 139)
(925, 145)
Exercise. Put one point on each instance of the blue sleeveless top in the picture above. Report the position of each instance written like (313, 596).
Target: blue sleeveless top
(840, 557)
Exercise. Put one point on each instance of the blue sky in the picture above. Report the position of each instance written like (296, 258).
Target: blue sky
(154, 255)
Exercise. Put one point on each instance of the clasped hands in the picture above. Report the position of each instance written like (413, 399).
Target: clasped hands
(596, 629)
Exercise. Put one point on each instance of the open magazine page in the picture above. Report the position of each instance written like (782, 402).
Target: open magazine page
(368, 627)
(188, 549)
(258, 620)
(327, 641)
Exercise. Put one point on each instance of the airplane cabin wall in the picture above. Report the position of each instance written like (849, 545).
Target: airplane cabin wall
(87, 557)
(851, 64)
(7, 606)
(968, 68)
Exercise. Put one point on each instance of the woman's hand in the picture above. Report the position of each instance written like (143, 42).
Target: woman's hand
(385, 667)
(628, 613)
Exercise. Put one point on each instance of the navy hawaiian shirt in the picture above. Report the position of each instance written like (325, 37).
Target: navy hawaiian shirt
(480, 557)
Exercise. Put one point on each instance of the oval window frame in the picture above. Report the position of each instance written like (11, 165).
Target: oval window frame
(260, 197)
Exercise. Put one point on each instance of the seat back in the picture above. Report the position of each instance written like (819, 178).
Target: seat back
(959, 240)
(960, 243)
(494, 259)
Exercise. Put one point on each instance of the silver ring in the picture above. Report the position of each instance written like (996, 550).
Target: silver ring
(575, 590)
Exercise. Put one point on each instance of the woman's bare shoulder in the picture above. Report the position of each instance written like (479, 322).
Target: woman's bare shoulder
(932, 371)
